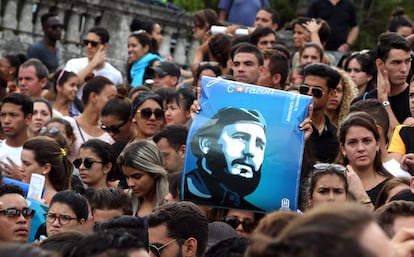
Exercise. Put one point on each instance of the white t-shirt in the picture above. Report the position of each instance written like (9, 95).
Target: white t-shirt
(108, 71)
(11, 152)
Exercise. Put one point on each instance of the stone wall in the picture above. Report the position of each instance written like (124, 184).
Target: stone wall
(19, 28)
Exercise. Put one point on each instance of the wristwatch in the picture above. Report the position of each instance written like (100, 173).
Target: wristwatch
(386, 103)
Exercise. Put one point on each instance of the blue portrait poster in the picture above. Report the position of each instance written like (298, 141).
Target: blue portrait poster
(244, 148)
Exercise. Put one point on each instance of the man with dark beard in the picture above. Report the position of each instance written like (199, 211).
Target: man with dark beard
(230, 150)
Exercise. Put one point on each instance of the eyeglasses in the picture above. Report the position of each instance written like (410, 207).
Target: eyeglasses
(325, 166)
(86, 42)
(56, 26)
(316, 91)
(14, 213)
(157, 248)
(248, 224)
(214, 64)
(146, 113)
(141, 31)
(365, 51)
(52, 130)
(113, 129)
(87, 162)
(62, 219)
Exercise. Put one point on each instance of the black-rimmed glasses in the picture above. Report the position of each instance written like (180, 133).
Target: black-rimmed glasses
(248, 224)
(87, 162)
(316, 91)
(156, 248)
(146, 113)
(14, 213)
(113, 129)
(62, 219)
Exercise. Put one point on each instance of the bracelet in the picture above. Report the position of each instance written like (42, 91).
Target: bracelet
(366, 201)
(386, 103)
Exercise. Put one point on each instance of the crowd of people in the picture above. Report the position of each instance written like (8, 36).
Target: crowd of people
(110, 145)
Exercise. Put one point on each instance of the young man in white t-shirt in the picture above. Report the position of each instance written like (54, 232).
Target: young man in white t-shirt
(96, 43)
(15, 117)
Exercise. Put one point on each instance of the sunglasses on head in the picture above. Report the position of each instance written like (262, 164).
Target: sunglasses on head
(365, 51)
(248, 224)
(316, 91)
(14, 213)
(209, 63)
(56, 26)
(86, 42)
(156, 249)
(113, 129)
(51, 131)
(87, 162)
(325, 166)
(146, 113)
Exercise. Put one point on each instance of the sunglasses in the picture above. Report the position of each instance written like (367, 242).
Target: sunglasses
(248, 224)
(137, 32)
(209, 63)
(62, 219)
(156, 249)
(365, 51)
(14, 213)
(325, 166)
(86, 42)
(146, 113)
(51, 131)
(87, 162)
(113, 129)
(316, 91)
(56, 26)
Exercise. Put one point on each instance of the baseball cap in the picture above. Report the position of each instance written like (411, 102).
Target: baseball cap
(167, 68)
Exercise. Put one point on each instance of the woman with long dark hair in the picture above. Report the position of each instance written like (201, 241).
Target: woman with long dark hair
(96, 93)
(43, 155)
(65, 88)
(360, 152)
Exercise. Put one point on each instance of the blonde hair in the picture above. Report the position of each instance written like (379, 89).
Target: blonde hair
(145, 156)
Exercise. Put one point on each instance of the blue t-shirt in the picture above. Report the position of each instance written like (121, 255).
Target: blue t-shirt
(40, 51)
(242, 12)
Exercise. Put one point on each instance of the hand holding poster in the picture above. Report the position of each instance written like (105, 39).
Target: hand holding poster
(244, 148)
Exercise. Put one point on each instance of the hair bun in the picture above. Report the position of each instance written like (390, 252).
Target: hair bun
(398, 12)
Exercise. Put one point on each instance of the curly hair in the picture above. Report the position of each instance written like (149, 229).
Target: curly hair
(350, 92)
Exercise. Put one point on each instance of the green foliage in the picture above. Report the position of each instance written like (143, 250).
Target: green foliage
(374, 16)
(195, 5)
(287, 10)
